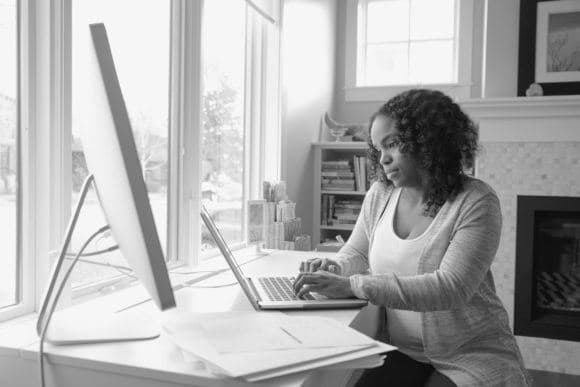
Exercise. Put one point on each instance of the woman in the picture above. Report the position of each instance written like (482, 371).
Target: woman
(428, 235)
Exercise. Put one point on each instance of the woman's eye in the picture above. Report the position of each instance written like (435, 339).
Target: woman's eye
(392, 144)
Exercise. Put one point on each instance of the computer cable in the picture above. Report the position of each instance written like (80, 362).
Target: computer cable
(57, 297)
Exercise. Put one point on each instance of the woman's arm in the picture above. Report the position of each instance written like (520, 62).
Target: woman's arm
(463, 267)
(353, 256)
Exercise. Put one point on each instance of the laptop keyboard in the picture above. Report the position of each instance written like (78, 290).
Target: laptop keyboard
(280, 289)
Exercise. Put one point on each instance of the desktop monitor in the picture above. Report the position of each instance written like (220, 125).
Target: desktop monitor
(111, 156)
(115, 171)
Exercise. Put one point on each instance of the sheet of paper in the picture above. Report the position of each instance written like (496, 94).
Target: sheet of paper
(247, 335)
(188, 336)
(250, 333)
(364, 358)
(323, 332)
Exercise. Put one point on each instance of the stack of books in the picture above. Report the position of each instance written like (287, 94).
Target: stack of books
(337, 176)
(344, 211)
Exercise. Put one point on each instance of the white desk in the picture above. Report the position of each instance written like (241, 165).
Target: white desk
(158, 362)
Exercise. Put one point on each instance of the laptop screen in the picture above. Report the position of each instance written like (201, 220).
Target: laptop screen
(227, 253)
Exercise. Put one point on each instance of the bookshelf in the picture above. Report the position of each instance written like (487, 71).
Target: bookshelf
(333, 179)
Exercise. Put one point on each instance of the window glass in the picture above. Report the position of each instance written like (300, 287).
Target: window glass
(387, 63)
(138, 32)
(407, 42)
(9, 200)
(431, 62)
(388, 21)
(223, 172)
(432, 19)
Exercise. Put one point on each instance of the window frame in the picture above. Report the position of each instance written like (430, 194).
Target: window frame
(460, 89)
(24, 303)
(45, 64)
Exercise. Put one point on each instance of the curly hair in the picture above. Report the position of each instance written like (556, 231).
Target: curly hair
(437, 134)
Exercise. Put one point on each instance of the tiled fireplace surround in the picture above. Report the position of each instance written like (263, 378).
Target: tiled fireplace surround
(530, 146)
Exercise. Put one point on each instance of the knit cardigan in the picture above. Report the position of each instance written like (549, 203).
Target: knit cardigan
(466, 332)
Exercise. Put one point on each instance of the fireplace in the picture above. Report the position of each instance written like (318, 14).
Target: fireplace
(547, 288)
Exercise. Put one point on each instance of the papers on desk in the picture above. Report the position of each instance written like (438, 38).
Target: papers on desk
(257, 346)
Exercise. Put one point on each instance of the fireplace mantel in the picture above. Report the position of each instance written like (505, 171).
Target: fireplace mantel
(526, 119)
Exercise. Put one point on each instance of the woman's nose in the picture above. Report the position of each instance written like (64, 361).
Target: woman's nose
(385, 158)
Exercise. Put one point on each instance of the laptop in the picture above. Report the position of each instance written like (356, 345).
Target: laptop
(273, 293)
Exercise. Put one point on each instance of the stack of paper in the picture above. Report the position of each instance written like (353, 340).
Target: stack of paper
(257, 346)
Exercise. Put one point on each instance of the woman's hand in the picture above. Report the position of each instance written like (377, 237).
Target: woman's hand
(314, 264)
(323, 282)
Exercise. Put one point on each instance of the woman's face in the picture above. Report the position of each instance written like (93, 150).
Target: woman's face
(400, 168)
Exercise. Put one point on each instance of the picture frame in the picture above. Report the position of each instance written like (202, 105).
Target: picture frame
(558, 41)
(543, 26)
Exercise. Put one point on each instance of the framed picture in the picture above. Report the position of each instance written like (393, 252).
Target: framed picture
(558, 41)
(549, 46)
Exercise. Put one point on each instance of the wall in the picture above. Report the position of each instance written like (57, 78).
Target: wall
(309, 30)
(500, 59)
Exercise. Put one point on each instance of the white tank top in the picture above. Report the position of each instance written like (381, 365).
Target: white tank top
(391, 254)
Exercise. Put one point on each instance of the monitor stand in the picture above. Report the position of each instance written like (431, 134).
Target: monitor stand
(76, 328)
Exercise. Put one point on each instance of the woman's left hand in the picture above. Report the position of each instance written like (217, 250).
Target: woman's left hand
(323, 282)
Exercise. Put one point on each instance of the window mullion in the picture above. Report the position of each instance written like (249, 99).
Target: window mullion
(270, 146)
(253, 98)
(185, 127)
(49, 110)
(362, 31)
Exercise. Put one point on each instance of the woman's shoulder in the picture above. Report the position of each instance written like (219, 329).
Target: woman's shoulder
(475, 190)
(377, 195)
(379, 190)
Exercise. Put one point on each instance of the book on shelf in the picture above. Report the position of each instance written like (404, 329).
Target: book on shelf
(341, 216)
(338, 212)
(337, 173)
(338, 188)
(330, 209)
(350, 203)
(336, 164)
(344, 221)
(360, 173)
(324, 210)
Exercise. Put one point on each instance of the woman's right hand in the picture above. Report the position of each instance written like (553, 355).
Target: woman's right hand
(325, 264)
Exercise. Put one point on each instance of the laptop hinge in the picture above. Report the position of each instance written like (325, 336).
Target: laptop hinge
(254, 290)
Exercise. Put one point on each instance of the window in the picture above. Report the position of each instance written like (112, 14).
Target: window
(392, 45)
(223, 111)
(405, 42)
(141, 55)
(9, 157)
(203, 101)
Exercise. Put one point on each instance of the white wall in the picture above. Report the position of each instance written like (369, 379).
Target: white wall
(308, 55)
(501, 34)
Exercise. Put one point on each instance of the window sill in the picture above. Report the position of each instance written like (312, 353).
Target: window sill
(383, 93)
(20, 332)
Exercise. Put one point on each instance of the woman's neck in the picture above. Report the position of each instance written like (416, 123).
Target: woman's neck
(414, 195)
